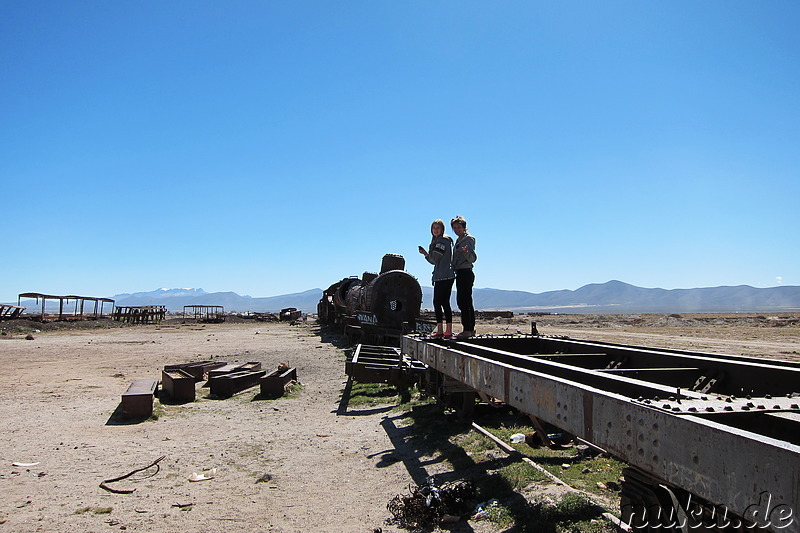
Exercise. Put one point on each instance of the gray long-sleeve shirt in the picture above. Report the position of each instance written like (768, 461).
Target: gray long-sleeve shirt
(463, 259)
(440, 254)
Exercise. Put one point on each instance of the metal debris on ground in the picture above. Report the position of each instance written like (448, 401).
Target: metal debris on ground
(104, 484)
(428, 504)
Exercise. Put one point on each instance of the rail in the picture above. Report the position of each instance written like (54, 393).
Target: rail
(724, 428)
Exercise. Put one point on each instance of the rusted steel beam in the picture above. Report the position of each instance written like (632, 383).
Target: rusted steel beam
(229, 368)
(178, 385)
(137, 401)
(230, 384)
(382, 364)
(276, 382)
(197, 369)
(731, 465)
(732, 375)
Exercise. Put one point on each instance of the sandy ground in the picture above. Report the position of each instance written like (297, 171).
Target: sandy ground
(754, 335)
(58, 394)
(326, 469)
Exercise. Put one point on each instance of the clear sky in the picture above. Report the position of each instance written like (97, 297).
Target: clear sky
(270, 147)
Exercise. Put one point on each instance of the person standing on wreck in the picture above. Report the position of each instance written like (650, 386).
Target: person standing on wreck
(464, 257)
(440, 254)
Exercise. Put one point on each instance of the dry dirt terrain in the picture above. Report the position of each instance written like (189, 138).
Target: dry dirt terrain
(774, 336)
(305, 462)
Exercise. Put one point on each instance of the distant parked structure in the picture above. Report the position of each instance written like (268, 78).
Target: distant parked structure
(141, 314)
(290, 313)
(78, 312)
(10, 312)
(204, 313)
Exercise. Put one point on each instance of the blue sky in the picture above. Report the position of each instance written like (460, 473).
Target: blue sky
(269, 147)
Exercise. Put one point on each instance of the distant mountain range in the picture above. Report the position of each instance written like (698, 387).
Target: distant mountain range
(175, 299)
(610, 297)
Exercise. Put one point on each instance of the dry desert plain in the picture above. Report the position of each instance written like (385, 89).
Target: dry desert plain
(304, 462)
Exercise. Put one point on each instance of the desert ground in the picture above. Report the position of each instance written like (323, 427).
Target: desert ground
(303, 462)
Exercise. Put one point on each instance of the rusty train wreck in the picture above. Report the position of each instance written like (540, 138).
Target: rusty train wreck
(713, 441)
(375, 308)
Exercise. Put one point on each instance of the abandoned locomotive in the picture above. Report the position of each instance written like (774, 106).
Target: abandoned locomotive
(376, 308)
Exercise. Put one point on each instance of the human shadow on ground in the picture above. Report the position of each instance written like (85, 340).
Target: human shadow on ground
(383, 393)
(424, 441)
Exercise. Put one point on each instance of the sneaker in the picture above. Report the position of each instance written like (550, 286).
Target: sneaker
(448, 335)
(437, 335)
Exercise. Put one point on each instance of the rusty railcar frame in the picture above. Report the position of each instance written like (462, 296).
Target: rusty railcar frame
(79, 311)
(139, 314)
(10, 312)
(724, 428)
(204, 313)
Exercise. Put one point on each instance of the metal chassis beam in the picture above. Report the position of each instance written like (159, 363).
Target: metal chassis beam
(729, 467)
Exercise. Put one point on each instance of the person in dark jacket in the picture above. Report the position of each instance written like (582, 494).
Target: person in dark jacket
(439, 254)
(464, 257)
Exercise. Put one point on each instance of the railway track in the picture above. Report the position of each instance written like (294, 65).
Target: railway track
(713, 440)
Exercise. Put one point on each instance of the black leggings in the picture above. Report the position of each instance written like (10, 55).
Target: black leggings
(441, 300)
(465, 279)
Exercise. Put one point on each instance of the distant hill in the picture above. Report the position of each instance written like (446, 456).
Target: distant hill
(305, 301)
(610, 297)
(619, 297)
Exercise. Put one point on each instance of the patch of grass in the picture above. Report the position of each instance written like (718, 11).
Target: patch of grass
(378, 394)
(94, 510)
(572, 513)
(372, 394)
(431, 430)
(294, 390)
(476, 445)
(575, 506)
(158, 411)
(520, 474)
(501, 516)
(586, 469)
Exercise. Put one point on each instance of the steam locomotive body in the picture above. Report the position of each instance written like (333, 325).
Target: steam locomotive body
(375, 308)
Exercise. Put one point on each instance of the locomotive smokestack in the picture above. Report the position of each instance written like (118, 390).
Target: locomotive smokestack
(392, 262)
